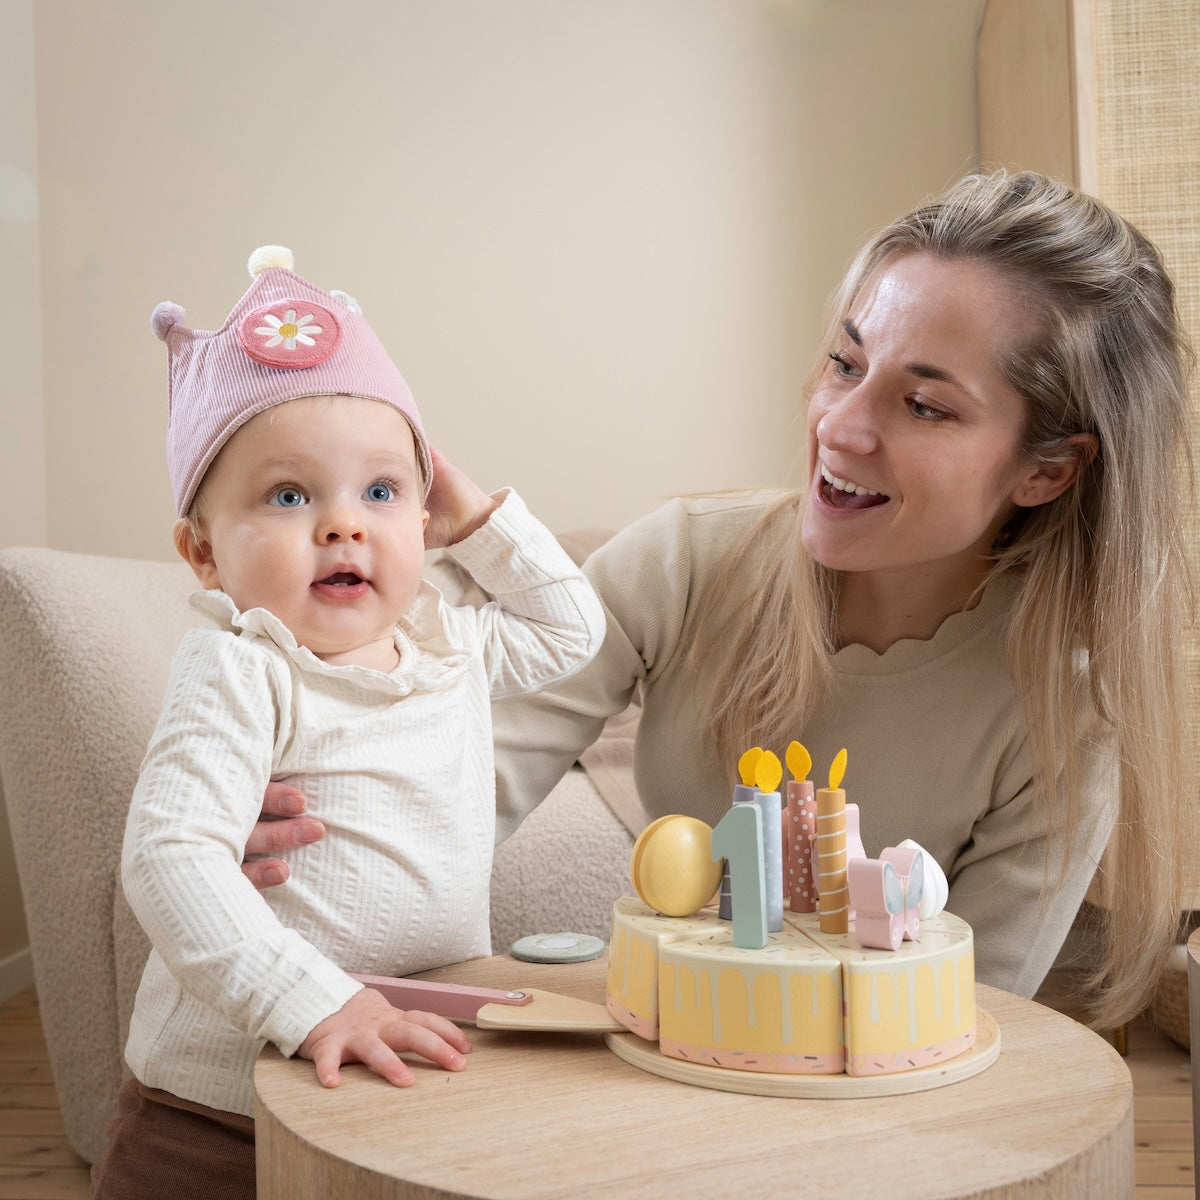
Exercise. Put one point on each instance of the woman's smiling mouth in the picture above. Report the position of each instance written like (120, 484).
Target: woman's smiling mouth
(844, 493)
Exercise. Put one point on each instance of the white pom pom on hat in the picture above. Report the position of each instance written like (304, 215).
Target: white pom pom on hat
(164, 316)
(266, 258)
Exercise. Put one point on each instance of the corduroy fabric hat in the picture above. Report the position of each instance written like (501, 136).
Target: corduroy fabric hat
(285, 338)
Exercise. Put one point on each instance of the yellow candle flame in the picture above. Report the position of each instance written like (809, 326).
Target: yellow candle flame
(799, 760)
(768, 772)
(747, 763)
(837, 769)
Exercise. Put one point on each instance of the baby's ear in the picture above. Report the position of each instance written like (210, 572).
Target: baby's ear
(196, 551)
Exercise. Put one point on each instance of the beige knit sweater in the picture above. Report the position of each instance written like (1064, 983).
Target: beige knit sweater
(936, 742)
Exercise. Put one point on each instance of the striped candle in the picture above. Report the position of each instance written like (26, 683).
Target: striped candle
(831, 851)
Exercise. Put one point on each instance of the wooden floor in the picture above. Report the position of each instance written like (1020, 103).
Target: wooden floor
(37, 1164)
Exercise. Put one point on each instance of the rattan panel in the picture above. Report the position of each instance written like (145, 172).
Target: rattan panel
(1147, 114)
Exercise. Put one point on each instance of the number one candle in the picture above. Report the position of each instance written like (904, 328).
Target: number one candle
(831, 850)
(738, 839)
(743, 793)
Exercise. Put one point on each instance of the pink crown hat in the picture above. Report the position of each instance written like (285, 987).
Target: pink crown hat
(285, 338)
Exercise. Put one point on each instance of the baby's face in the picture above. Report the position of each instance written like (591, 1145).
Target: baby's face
(314, 511)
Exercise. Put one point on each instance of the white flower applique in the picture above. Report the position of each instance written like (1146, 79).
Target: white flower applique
(288, 330)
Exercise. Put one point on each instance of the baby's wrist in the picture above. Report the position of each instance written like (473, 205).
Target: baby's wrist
(479, 518)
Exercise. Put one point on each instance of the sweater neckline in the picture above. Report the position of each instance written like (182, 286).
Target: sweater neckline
(957, 631)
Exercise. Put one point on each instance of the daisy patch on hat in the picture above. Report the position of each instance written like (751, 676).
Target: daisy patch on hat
(290, 333)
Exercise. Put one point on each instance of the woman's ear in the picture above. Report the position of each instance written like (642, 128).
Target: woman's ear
(196, 551)
(1049, 479)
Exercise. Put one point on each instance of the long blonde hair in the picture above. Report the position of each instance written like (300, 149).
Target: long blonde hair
(1101, 569)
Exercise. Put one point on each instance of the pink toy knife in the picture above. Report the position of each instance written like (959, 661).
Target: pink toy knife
(489, 1008)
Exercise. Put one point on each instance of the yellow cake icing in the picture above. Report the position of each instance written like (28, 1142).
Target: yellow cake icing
(805, 1003)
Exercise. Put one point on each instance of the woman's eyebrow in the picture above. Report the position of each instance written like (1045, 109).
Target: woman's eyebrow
(920, 369)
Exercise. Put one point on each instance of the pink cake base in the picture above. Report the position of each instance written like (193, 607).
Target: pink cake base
(778, 1064)
(910, 1060)
(644, 1027)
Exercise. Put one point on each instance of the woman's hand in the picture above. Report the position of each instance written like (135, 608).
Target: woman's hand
(457, 504)
(282, 826)
(367, 1029)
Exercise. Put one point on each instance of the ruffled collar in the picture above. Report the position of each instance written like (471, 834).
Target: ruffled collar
(431, 656)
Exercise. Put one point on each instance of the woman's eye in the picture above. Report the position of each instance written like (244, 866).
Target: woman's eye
(288, 497)
(843, 367)
(380, 492)
(926, 412)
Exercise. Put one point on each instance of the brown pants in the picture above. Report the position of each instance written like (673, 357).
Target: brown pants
(162, 1146)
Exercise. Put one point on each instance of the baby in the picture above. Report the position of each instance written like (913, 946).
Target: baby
(302, 478)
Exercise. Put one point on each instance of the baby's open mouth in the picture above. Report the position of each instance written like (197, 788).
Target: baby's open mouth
(845, 493)
(341, 579)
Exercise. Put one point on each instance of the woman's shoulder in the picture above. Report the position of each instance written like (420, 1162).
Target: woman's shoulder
(714, 519)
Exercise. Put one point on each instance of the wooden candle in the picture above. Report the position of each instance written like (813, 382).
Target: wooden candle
(799, 832)
(831, 851)
(767, 774)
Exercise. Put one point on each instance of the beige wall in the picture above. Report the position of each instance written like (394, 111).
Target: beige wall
(596, 235)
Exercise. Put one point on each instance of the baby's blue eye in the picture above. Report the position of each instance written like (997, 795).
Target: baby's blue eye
(288, 497)
(380, 492)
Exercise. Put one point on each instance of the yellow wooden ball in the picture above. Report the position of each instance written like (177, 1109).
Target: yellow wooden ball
(672, 867)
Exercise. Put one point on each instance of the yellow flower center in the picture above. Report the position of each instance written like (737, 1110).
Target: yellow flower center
(288, 331)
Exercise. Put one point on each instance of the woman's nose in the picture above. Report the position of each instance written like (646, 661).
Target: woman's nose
(849, 422)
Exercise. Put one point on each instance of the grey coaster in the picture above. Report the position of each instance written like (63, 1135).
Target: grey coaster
(557, 947)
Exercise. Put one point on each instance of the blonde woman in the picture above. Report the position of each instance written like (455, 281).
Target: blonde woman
(978, 592)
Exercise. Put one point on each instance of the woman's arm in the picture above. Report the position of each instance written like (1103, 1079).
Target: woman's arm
(1011, 884)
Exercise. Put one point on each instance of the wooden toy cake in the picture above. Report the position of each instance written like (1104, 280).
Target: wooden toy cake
(855, 977)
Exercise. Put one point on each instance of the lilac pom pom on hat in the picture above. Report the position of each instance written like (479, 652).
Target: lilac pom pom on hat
(285, 339)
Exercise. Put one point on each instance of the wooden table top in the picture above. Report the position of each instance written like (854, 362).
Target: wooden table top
(555, 1116)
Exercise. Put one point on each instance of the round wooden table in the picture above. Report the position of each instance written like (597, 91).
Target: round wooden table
(539, 1116)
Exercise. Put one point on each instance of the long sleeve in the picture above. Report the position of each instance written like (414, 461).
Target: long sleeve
(545, 621)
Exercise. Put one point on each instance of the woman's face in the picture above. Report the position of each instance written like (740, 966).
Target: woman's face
(914, 433)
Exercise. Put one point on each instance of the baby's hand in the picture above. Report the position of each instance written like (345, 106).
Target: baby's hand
(457, 504)
(367, 1029)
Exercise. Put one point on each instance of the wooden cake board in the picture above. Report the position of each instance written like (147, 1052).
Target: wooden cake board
(648, 1057)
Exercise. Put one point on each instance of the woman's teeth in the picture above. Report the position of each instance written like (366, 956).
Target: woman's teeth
(844, 485)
